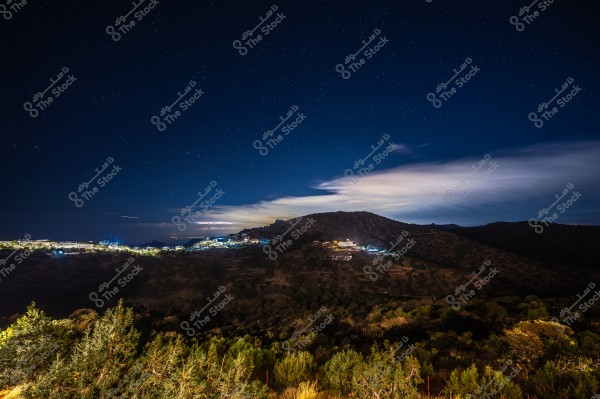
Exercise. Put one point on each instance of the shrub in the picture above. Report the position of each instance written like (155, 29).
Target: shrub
(382, 377)
(29, 346)
(337, 372)
(293, 369)
(530, 341)
(97, 361)
(562, 379)
(468, 384)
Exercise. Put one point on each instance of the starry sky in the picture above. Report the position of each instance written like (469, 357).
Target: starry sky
(114, 79)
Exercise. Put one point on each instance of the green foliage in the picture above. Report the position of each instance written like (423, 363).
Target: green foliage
(338, 371)
(590, 344)
(293, 369)
(97, 361)
(104, 364)
(531, 341)
(463, 382)
(28, 346)
(250, 347)
(566, 380)
(495, 313)
(468, 384)
(380, 376)
(421, 311)
(532, 308)
(231, 376)
(375, 316)
(168, 368)
(88, 356)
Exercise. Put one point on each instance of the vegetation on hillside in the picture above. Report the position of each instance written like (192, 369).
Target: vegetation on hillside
(93, 356)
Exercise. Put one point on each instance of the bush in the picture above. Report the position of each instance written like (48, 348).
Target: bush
(337, 372)
(382, 377)
(29, 346)
(531, 341)
(90, 357)
(468, 384)
(104, 364)
(97, 361)
(566, 380)
(293, 369)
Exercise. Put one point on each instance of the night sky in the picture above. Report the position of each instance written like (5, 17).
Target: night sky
(112, 111)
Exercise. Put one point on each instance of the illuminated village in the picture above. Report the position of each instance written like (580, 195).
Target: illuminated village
(342, 250)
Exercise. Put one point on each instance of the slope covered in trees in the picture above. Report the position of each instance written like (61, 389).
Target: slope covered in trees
(92, 356)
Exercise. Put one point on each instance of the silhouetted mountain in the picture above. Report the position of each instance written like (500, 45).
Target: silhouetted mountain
(451, 226)
(558, 243)
(363, 227)
(522, 259)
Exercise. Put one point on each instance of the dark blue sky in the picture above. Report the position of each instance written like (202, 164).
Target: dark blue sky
(120, 85)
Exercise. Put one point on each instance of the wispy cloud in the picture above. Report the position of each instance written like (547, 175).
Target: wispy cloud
(525, 181)
(216, 223)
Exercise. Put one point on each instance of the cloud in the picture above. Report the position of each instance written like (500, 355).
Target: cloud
(525, 181)
(216, 223)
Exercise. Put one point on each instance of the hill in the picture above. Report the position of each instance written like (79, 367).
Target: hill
(570, 245)
(272, 296)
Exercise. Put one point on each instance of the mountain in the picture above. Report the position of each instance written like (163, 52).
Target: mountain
(450, 226)
(363, 227)
(571, 245)
(521, 254)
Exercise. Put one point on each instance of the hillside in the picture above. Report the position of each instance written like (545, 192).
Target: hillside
(559, 243)
(522, 260)
(272, 295)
